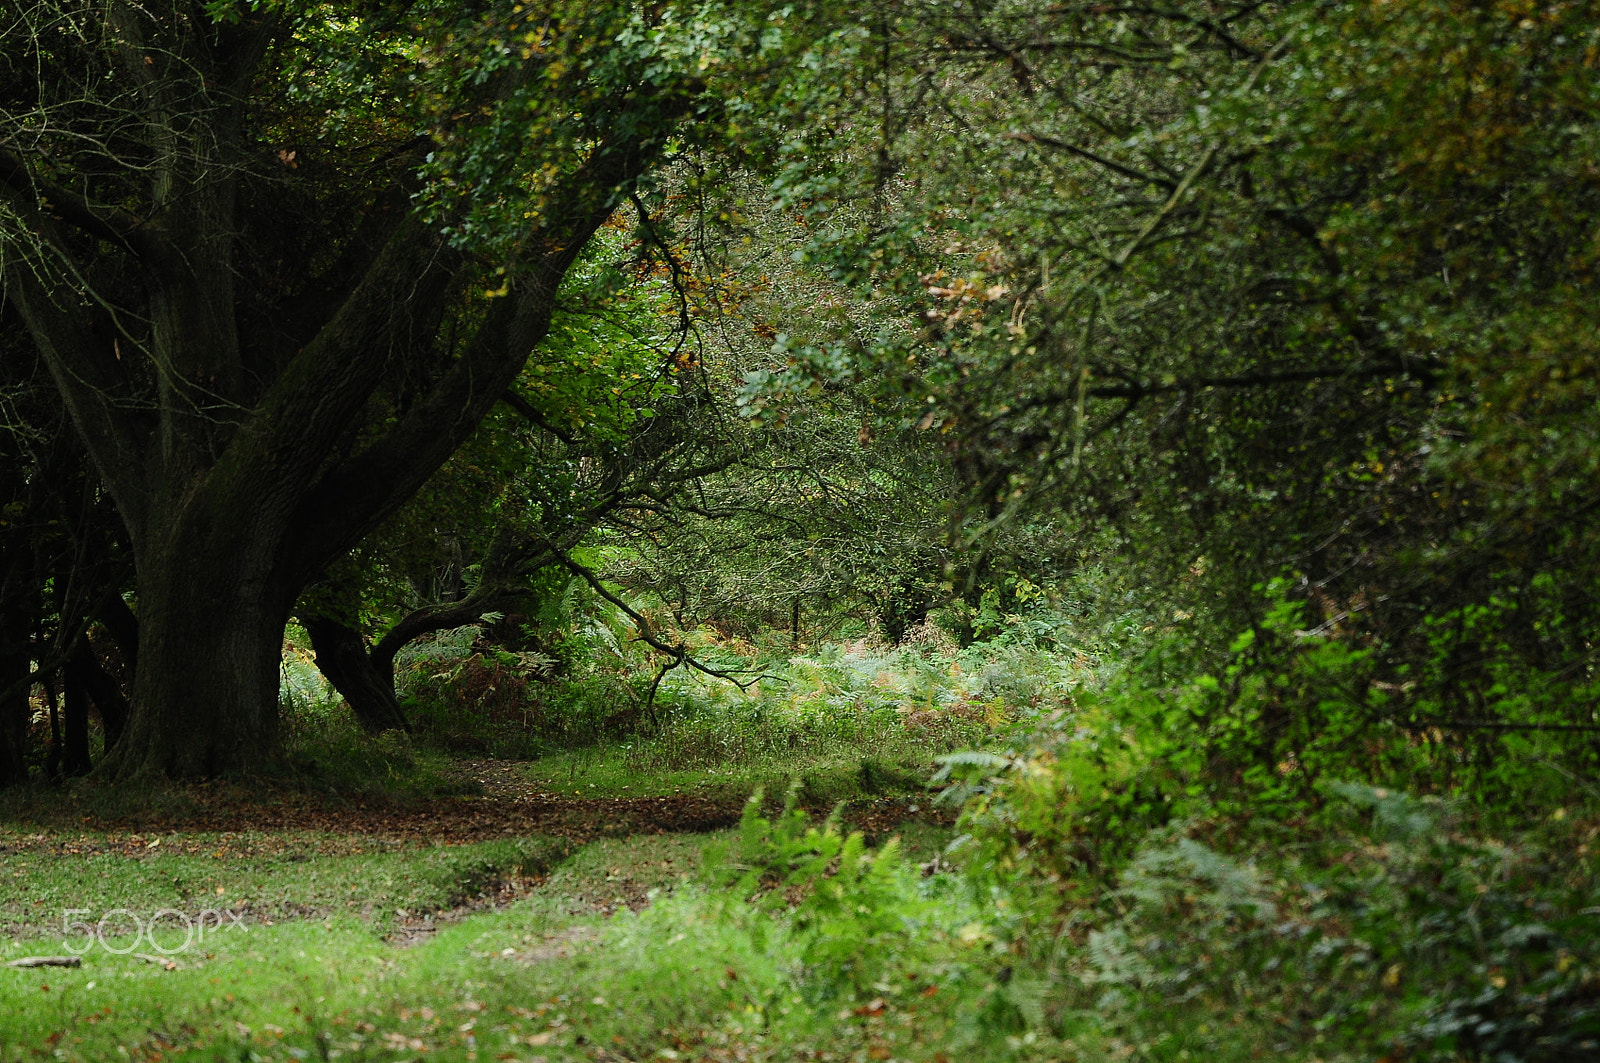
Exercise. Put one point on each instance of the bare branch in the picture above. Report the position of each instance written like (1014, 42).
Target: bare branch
(1098, 160)
(680, 653)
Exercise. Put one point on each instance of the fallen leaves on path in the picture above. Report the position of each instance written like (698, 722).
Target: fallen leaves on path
(263, 820)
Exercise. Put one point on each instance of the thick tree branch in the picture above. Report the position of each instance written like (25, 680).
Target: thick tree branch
(119, 226)
(87, 374)
(502, 571)
(353, 498)
(284, 441)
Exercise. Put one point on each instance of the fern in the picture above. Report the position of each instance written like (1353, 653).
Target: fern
(855, 912)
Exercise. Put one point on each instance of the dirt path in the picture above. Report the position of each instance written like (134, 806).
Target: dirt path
(509, 806)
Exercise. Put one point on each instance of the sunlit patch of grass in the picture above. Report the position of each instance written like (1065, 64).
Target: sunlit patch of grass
(841, 775)
(898, 706)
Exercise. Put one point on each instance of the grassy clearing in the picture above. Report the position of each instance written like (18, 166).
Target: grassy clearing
(848, 721)
(623, 946)
(571, 972)
(826, 780)
(648, 947)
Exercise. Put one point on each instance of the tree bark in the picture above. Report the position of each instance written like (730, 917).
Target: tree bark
(52, 759)
(205, 695)
(123, 627)
(343, 658)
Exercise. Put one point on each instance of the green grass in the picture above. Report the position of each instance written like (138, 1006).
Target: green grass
(1217, 936)
(621, 945)
(560, 974)
(842, 776)
(635, 948)
(264, 877)
(114, 1007)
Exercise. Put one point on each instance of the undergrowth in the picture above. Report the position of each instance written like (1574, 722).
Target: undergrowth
(878, 714)
(1142, 870)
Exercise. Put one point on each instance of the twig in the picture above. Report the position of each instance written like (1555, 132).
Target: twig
(680, 653)
(1099, 160)
(47, 961)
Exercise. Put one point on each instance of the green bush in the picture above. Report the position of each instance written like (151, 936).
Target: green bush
(1386, 923)
(1058, 815)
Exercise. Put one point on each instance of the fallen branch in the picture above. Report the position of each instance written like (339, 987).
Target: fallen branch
(47, 961)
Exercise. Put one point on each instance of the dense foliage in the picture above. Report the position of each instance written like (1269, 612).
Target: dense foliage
(1237, 294)
(1162, 435)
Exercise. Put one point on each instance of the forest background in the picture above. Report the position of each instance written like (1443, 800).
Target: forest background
(1166, 431)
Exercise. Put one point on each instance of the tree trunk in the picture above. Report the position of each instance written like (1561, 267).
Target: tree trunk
(123, 627)
(205, 696)
(343, 658)
(52, 759)
(15, 659)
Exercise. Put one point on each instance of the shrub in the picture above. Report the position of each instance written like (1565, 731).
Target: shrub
(1389, 926)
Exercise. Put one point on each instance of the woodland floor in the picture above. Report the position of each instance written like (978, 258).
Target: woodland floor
(375, 912)
(506, 805)
(266, 832)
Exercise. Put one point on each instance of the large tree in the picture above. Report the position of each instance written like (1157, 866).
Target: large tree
(280, 260)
